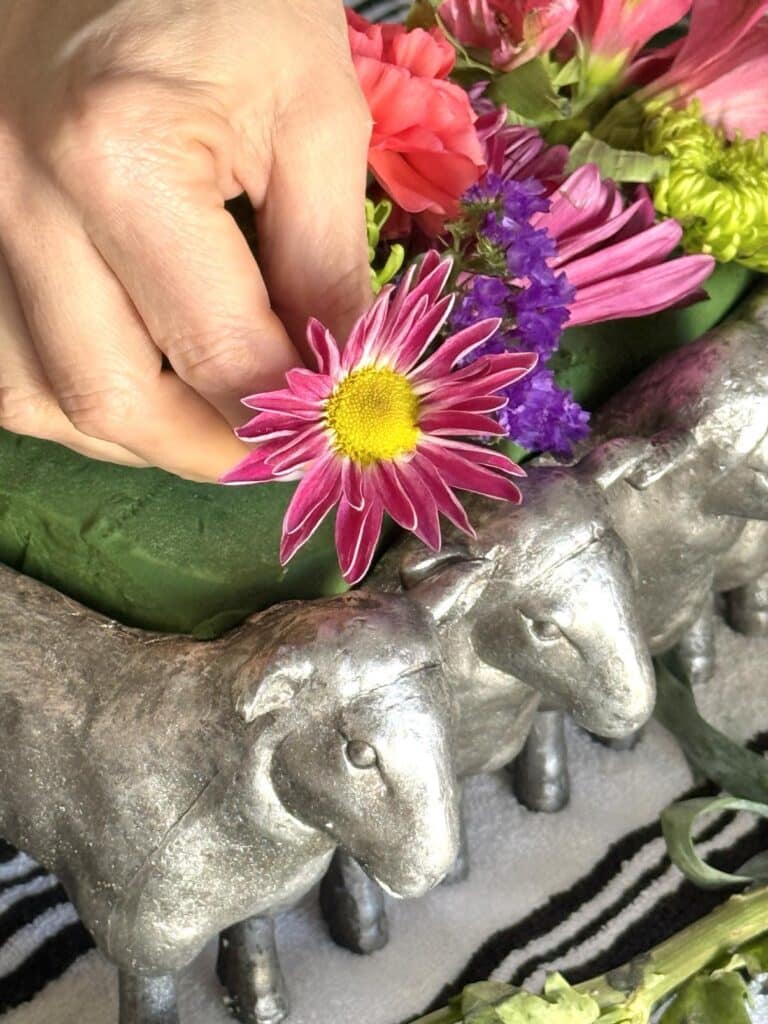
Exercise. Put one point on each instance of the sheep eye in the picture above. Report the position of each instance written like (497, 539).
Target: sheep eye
(543, 629)
(360, 754)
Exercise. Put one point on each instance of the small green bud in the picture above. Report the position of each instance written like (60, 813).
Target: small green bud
(376, 216)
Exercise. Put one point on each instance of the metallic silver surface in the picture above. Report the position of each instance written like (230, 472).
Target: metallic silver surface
(748, 608)
(353, 906)
(248, 968)
(540, 772)
(147, 999)
(177, 788)
(558, 603)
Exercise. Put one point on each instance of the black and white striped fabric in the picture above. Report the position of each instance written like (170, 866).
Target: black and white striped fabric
(580, 892)
(382, 10)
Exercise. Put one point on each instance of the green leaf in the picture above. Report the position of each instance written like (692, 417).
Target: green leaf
(484, 994)
(560, 1004)
(529, 92)
(617, 164)
(754, 956)
(734, 768)
(720, 999)
(677, 822)
(567, 74)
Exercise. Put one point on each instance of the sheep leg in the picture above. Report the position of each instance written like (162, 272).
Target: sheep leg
(540, 771)
(249, 969)
(353, 906)
(147, 999)
(460, 870)
(747, 607)
(695, 651)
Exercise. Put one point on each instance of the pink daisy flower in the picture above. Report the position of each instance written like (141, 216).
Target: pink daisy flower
(375, 429)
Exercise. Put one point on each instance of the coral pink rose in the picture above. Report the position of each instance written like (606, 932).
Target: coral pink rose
(424, 150)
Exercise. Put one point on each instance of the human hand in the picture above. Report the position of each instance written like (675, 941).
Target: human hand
(124, 127)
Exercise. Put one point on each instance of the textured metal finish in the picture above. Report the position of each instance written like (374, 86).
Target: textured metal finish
(614, 556)
(147, 999)
(748, 608)
(353, 906)
(540, 772)
(178, 787)
(248, 968)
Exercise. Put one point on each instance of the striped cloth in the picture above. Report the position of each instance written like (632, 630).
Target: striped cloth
(382, 10)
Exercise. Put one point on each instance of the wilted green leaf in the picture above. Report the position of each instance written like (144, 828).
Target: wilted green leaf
(529, 92)
(677, 822)
(560, 1004)
(753, 957)
(734, 768)
(617, 164)
(720, 999)
(483, 994)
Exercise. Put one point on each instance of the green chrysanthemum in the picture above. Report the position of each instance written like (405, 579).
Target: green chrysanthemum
(717, 189)
(376, 216)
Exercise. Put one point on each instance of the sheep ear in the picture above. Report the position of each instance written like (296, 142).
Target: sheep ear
(273, 692)
(441, 582)
(419, 563)
(613, 460)
(640, 461)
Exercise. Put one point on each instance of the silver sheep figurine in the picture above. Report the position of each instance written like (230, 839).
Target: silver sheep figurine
(633, 540)
(180, 789)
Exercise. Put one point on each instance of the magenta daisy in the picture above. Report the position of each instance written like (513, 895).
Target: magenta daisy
(375, 429)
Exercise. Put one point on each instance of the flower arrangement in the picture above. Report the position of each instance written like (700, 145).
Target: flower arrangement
(533, 167)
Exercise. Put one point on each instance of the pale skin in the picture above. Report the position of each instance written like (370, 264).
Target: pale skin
(133, 316)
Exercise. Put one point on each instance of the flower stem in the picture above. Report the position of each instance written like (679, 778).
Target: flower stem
(647, 980)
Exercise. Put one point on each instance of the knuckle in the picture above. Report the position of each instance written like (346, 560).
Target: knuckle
(214, 361)
(24, 412)
(109, 411)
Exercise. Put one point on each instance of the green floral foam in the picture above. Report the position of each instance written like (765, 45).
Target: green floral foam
(147, 548)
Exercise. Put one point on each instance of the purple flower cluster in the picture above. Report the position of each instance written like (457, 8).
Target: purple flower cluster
(511, 278)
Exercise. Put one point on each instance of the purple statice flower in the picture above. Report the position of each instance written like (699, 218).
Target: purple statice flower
(542, 416)
(516, 283)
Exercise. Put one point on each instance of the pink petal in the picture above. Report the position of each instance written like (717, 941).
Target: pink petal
(284, 401)
(364, 336)
(405, 354)
(484, 456)
(268, 425)
(459, 472)
(574, 203)
(427, 527)
(306, 447)
(454, 422)
(352, 484)
(308, 384)
(394, 499)
(291, 542)
(642, 292)
(357, 534)
(252, 470)
(616, 261)
(445, 499)
(324, 348)
(320, 488)
(459, 402)
(455, 348)
(583, 242)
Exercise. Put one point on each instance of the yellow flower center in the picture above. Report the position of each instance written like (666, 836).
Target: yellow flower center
(373, 415)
